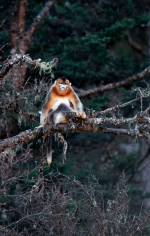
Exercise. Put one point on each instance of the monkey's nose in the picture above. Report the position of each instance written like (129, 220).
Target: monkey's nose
(63, 87)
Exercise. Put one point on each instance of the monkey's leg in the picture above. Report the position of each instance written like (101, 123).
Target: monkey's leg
(61, 115)
(66, 113)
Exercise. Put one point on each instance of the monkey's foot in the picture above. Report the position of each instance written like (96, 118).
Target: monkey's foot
(82, 115)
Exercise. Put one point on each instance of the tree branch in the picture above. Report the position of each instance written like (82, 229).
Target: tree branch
(25, 59)
(17, 28)
(2, 23)
(137, 119)
(37, 22)
(135, 45)
(109, 110)
(90, 125)
(13, 29)
(46, 68)
(119, 84)
(21, 24)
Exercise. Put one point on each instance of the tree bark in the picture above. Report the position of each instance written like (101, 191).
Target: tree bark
(90, 125)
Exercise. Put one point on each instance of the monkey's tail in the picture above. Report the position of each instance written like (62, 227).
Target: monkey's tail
(60, 138)
(49, 150)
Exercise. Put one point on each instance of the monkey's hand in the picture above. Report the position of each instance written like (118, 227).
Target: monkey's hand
(81, 115)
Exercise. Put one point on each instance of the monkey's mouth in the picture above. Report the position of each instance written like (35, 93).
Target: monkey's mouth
(63, 86)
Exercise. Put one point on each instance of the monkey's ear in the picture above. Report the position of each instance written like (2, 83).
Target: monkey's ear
(70, 84)
(55, 81)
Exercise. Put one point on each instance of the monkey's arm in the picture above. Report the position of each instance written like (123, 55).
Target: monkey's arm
(49, 101)
(78, 106)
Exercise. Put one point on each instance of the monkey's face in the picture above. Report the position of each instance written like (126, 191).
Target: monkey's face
(63, 86)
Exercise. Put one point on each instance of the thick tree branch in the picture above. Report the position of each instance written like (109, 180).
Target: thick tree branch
(90, 125)
(13, 30)
(119, 84)
(17, 28)
(137, 119)
(21, 24)
(37, 21)
(29, 135)
(25, 59)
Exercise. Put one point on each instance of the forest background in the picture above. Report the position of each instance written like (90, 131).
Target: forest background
(97, 43)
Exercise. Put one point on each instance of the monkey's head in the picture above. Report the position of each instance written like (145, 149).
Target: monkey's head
(63, 86)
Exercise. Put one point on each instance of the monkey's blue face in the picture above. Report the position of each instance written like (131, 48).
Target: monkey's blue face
(63, 86)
